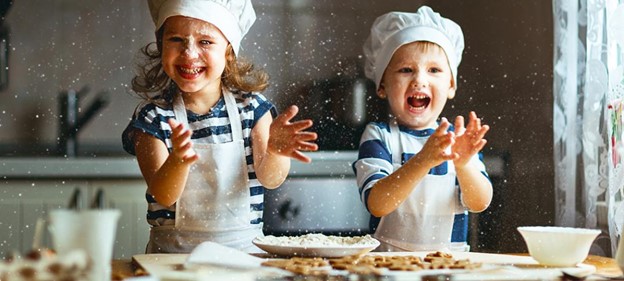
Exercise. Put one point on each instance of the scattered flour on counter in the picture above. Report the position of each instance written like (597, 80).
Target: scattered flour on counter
(317, 240)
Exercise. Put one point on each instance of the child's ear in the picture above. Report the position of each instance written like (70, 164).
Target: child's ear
(381, 92)
(451, 93)
(229, 53)
(452, 90)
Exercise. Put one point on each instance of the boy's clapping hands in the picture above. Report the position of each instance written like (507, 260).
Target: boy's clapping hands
(468, 140)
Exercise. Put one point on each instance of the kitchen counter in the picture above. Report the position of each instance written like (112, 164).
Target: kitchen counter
(324, 163)
(604, 266)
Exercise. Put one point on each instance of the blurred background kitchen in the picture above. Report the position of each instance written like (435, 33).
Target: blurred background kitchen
(313, 53)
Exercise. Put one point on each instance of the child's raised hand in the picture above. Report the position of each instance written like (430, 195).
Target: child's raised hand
(436, 149)
(289, 138)
(469, 140)
(182, 147)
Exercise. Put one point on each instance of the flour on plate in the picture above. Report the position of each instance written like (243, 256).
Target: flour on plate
(317, 240)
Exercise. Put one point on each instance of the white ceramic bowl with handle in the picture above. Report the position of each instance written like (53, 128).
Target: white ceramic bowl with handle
(558, 246)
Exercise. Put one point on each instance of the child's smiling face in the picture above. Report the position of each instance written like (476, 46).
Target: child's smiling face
(193, 53)
(417, 82)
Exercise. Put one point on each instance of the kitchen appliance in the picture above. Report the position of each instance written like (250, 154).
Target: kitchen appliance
(341, 106)
(317, 197)
(315, 205)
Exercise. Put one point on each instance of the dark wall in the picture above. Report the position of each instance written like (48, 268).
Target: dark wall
(506, 77)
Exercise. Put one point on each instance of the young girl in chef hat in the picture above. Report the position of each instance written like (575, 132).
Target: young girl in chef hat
(204, 139)
(415, 171)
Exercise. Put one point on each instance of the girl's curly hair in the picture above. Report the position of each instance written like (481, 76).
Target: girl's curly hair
(154, 85)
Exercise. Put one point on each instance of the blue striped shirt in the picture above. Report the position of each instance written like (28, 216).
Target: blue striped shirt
(375, 162)
(213, 127)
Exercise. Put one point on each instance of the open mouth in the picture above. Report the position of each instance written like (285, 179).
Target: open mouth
(190, 72)
(418, 101)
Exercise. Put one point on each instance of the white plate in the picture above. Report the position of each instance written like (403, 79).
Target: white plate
(316, 251)
(211, 253)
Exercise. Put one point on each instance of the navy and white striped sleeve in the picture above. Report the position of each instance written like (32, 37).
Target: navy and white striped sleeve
(150, 119)
(374, 160)
(260, 106)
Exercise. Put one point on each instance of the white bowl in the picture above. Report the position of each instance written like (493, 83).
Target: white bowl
(558, 246)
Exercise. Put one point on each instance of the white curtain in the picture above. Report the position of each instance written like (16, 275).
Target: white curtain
(587, 120)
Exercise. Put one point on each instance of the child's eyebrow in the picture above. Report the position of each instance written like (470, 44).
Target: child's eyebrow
(208, 34)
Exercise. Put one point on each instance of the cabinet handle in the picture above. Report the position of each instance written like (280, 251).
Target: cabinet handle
(98, 201)
(75, 202)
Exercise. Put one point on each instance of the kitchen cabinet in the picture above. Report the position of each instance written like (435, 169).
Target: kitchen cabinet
(132, 229)
(24, 201)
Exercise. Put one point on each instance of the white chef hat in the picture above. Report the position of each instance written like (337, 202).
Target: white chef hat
(232, 17)
(392, 30)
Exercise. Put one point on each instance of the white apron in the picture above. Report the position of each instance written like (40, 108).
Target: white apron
(215, 203)
(424, 221)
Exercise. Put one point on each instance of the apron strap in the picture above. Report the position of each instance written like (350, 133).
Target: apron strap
(232, 110)
(180, 110)
(230, 105)
(395, 142)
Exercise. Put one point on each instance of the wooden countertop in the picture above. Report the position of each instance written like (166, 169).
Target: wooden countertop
(604, 266)
(124, 269)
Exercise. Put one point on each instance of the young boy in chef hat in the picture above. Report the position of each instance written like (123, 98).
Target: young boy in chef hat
(415, 171)
(204, 139)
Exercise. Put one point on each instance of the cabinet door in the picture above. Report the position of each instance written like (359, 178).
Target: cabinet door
(23, 202)
(132, 229)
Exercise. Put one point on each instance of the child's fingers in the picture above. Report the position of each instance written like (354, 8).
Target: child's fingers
(174, 124)
(306, 146)
(185, 146)
(182, 146)
(190, 158)
(459, 125)
(484, 130)
(453, 156)
(301, 124)
(287, 115)
(479, 135)
(482, 145)
(448, 156)
(178, 130)
(181, 137)
(306, 136)
(443, 127)
(479, 145)
(474, 122)
(442, 138)
(300, 156)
